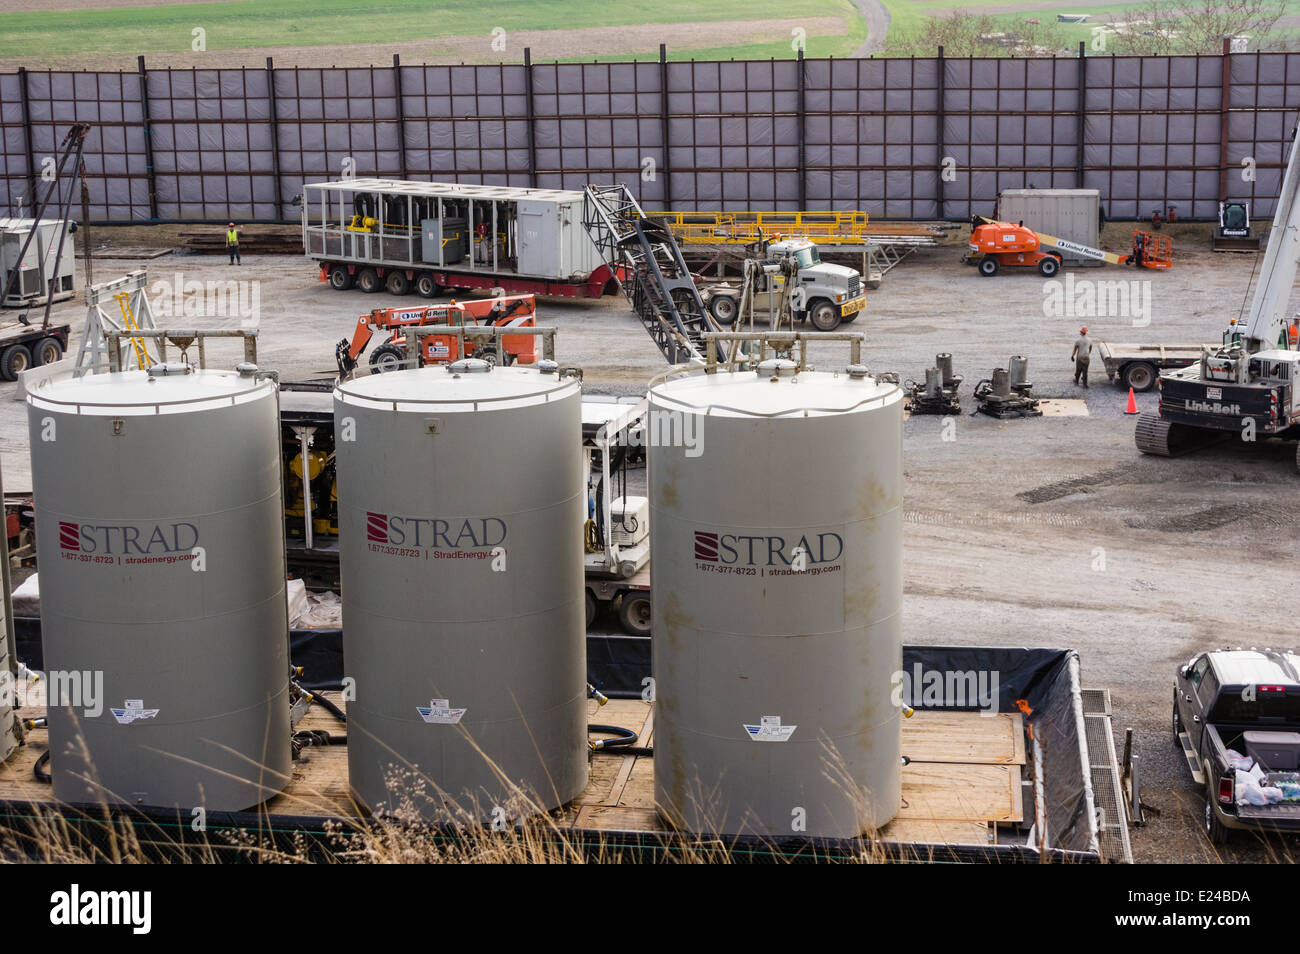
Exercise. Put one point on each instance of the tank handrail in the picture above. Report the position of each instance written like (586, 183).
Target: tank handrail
(373, 401)
(182, 338)
(882, 399)
(135, 410)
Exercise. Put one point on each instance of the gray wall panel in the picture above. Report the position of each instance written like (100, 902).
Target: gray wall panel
(870, 131)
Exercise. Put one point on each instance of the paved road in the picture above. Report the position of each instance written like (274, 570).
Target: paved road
(877, 18)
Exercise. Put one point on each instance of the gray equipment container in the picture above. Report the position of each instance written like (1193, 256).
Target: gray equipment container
(446, 237)
(160, 538)
(34, 270)
(461, 508)
(773, 685)
(1073, 214)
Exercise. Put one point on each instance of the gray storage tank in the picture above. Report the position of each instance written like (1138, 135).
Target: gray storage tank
(777, 583)
(461, 507)
(160, 539)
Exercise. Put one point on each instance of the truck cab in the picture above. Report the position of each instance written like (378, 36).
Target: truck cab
(826, 295)
(831, 293)
(1236, 717)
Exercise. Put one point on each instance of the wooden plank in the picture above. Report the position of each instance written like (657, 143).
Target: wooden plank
(934, 735)
(640, 789)
(625, 770)
(931, 831)
(952, 791)
(946, 801)
(600, 784)
(607, 817)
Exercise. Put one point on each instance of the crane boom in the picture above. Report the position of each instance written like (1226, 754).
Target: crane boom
(1270, 308)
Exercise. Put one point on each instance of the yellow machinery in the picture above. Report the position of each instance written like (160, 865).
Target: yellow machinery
(747, 228)
(362, 223)
(324, 512)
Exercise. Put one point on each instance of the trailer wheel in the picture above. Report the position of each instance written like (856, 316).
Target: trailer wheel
(723, 308)
(387, 357)
(988, 266)
(340, 278)
(426, 285)
(824, 316)
(1140, 376)
(47, 351)
(634, 612)
(592, 607)
(15, 360)
(368, 280)
(1215, 830)
(397, 283)
(1047, 267)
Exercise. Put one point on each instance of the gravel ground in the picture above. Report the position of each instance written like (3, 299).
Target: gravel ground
(1038, 532)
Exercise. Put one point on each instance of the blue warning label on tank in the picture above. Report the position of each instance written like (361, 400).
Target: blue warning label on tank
(132, 711)
(770, 729)
(440, 712)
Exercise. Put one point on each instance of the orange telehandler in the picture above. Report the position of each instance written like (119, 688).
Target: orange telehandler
(504, 312)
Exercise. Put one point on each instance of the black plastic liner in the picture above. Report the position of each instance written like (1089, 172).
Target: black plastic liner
(1046, 679)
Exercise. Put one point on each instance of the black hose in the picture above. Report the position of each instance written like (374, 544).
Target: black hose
(36, 769)
(328, 706)
(318, 737)
(624, 737)
(634, 750)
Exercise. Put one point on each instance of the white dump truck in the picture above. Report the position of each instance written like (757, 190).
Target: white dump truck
(824, 294)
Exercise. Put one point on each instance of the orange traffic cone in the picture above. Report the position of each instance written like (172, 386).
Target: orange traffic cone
(1132, 403)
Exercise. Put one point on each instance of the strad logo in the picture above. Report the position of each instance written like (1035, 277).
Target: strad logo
(75, 908)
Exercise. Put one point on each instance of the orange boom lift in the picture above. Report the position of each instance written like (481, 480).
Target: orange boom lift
(510, 311)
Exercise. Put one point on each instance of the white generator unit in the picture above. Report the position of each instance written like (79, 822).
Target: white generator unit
(630, 520)
(37, 263)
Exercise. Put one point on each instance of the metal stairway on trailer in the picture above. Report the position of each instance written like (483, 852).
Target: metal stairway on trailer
(649, 268)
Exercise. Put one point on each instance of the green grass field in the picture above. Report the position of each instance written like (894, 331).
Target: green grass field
(270, 23)
(451, 27)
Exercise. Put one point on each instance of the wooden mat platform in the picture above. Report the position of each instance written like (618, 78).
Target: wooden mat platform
(963, 779)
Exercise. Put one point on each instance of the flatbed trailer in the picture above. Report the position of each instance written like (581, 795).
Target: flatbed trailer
(1138, 366)
(24, 346)
(1009, 787)
(401, 236)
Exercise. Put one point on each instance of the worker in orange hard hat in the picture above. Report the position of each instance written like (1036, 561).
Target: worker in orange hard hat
(1080, 356)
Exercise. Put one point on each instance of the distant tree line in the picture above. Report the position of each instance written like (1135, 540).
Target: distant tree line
(1158, 28)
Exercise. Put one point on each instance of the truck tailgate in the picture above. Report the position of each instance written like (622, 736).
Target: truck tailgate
(1288, 812)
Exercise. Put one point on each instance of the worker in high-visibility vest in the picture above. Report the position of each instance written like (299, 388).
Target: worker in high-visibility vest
(232, 243)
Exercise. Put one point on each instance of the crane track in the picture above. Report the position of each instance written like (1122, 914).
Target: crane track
(1164, 439)
(1152, 435)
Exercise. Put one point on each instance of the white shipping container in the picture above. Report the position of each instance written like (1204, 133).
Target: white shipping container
(1072, 214)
